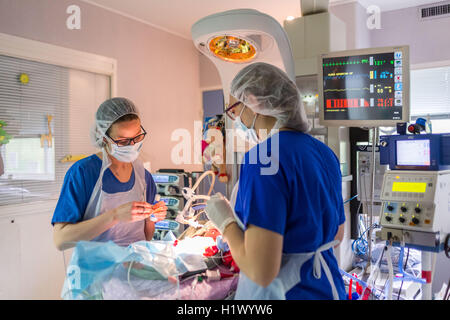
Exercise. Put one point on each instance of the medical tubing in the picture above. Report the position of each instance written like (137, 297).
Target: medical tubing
(191, 200)
(374, 273)
(361, 282)
(214, 261)
(197, 183)
(405, 276)
(391, 272)
(134, 289)
(360, 239)
(351, 199)
(128, 276)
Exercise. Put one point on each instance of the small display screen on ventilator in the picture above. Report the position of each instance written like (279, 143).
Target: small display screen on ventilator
(413, 152)
(418, 187)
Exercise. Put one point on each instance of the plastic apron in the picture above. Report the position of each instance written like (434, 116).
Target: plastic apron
(289, 274)
(123, 233)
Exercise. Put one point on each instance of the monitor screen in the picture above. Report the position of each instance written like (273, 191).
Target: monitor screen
(160, 178)
(365, 87)
(413, 152)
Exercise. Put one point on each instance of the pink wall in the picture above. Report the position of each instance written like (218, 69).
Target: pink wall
(209, 76)
(157, 70)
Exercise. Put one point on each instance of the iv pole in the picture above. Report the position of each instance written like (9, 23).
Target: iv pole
(375, 132)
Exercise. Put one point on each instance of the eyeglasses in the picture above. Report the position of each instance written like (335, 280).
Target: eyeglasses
(228, 110)
(127, 142)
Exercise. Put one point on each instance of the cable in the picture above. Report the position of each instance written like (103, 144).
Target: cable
(391, 272)
(350, 199)
(447, 246)
(404, 268)
(364, 200)
(447, 291)
(361, 243)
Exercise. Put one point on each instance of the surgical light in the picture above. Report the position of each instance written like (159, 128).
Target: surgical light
(235, 38)
(232, 49)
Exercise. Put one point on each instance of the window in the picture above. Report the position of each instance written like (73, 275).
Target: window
(34, 102)
(26, 159)
(430, 96)
(55, 99)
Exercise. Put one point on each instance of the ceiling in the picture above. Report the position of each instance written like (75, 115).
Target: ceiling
(177, 16)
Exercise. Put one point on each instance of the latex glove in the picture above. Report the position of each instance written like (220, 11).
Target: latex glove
(219, 212)
(158, 211)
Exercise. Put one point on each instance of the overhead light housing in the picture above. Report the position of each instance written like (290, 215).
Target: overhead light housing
(233, 49)
(235, 38)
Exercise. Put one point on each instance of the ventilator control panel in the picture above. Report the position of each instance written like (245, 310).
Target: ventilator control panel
(416, 200)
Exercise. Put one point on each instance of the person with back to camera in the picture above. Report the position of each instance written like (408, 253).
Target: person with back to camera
(281, 226)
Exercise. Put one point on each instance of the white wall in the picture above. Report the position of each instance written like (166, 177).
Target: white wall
(428, 40)
(354, 16)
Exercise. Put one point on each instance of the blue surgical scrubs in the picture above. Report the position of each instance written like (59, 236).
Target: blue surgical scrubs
(79, 184)
(302, 201)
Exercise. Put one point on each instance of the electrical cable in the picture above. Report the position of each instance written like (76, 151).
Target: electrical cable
(447, 297)
(350, 199)
(404, 268)
(447, 246)
(364, 200)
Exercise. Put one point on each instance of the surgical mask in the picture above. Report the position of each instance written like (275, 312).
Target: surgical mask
(248, 134)
(126, 153)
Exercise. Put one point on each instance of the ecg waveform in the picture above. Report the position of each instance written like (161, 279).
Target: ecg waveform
(356, 62)
(345, 89)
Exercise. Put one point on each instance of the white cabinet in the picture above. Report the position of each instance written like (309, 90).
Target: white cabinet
(31, 267)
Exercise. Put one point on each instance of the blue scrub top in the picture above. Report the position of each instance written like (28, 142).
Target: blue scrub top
(79, 183)
(302, 201)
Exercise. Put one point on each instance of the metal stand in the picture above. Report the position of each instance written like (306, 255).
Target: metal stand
(427, 274)
(372, 196)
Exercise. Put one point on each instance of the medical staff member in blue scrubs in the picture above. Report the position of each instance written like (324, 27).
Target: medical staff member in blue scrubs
(109, 195)
(284, 224)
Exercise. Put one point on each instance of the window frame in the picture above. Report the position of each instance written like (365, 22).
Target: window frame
(22, 48)
(424, 66)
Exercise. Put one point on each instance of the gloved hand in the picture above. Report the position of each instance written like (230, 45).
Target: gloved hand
(219, 212)
(158, 212)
